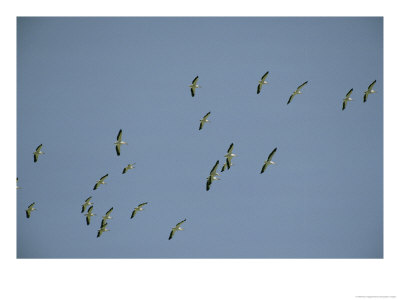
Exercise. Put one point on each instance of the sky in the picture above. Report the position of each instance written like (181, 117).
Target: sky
(81, 80)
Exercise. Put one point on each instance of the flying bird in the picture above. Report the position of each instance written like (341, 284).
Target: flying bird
(174, 229)
(107, 216)
(102, 228)
(89, 214)
(296, 92)
(138, 208)
(347, 98)
(204, 120)
(37, 153)
(224, 167)
(18, 188)
(229, 156)
(213, 175)
(268, 161)
(262, 82)
(128, 167)
(119, 142)
(369, 91)
(194, 85)
(29, 210)
(86, 204)
(101, 181)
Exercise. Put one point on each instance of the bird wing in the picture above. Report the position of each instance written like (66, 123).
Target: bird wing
(88, 219)
(206, 115)
(88, 199)
(30, 206)
(301, 85)
(201, 125)
(117, 148)
(39, 147)
(371, 85)
(290, 99)
(192, 91)
(344, 105)
(263, 168)
(230, 149)
(365, 96)
(96, 186)
(119, 136)
(124, 171)
(258, 88)
(83, 207)
(28, 213)
(109, 211)
(103, 223)
(35, 157)
(209, 181)
(271, 154)
(171, 234)
(99, 232)
(142, 204)
(214, 169)
(177, 225)
(90, 209)
(264, 76)
(349, 93)
(223, 167)
(133, 213)
(195, 80)
(104, 177)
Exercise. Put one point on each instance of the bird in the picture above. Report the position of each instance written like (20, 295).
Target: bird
(107, 215)
(138, 208)
(369, 91)
(262, 82)
(194, 85)
(37, 153)
(29, 210)
(213, 175)
(87, 202)
(174, 229)
(268, 161)
(119, 142)
(128, 167)
(296, 92)
(204, 120)
(89, 214)
(224, 167)
(102, 228)
(347, 98)
(18, 188)
(229, 156)
(101, 181)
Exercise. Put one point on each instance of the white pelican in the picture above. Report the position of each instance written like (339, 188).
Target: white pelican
(347, 98)
(194, 85)
(229, 156)
(107, 216)
(204, 120)
(18, 188)
(128, 167)
(29, 210)
(102, 229)
(138, 208)
(213, 175)
(119, 142)
(369, 91)
(101, 181)
(87, 202)
(37, 153)
(177, 227)
(268, 161)
(262, 82)
(89, 214)
(297, 91)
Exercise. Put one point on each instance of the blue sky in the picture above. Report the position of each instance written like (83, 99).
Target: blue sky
(80, 80)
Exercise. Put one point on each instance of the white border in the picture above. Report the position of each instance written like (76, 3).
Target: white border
(198, 279)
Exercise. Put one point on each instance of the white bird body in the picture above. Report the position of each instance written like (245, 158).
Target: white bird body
(194, 86)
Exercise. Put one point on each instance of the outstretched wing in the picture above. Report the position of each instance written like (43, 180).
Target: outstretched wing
(142, 204)
(349, 93)
(301, 85)
(177, 225)
(119, 136)
(83, 208)
(90, 209)
(118, 149)
(214, 169)
(104, 177)
(264, 76)
(39, 147)
(28, 213)
(209, 181)
(371, 85)
(365, 97)
(124, 171)
(133, 213)
(290, 99)
(271, 154)
(88, 219)
(228, 162)
(192, 91)
(195, 80)
(201, 125)
(224, 167)
(96, 186)
(109, 211)
(258, 88)
(171, 234)
(230, 149)
(35, 157)
(344, 105)
(263, 168)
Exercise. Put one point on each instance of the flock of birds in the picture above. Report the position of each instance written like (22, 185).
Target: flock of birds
(213, 173)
